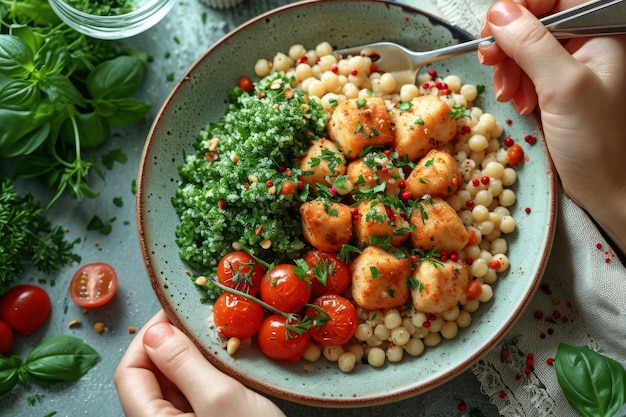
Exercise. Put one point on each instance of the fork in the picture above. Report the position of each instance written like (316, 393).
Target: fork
(595, 18)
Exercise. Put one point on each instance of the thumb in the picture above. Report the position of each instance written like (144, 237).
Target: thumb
(180, 361)
(526, 40)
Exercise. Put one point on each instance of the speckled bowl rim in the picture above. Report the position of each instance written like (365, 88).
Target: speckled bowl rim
(149, 248)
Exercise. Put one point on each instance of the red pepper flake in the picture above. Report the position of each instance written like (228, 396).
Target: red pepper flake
(475, 182)
(550, 361)
(354, 211)
(538, 315)
(556, 314)
(470, 204)
(269, 183)
(465, 129)
(508, 141)
(406, 195)
(508, 121)
(354, 72)
(518, 377)
(527, 371)
(495, 264)
(527, 210)
(504, 352)
(426, 324)
(402, 184)
(373, 68)
(384, 170)
(432, 317)
(469, 261)
(413, 259)
(300, 184)
(445, 92)
(432, 73)
(288, 172)
(502, 394)
(530, 139)
(607, 260)
(462, 406)
(454, 256)
(564, 319)
(599, 245)
(332, 190)
(334, 68)
(426, 85)
(484, 180)
(387, 152)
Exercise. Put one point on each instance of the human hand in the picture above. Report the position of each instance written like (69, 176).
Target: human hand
(578, 86)
(164, 374)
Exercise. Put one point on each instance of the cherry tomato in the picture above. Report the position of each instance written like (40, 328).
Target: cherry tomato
(25, 308)
(240, 271)
(328, 274)
(283, 289)
(93, 285)
(245, 83)
(236, 316)
(342, 322)
(277, 342)
(515, 154)
(6, 338)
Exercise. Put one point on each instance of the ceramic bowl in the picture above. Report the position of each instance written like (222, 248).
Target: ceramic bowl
(201, 97)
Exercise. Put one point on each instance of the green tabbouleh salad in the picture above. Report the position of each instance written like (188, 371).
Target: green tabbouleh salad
(230, 188)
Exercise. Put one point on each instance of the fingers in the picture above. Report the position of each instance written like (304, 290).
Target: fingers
(524, 39)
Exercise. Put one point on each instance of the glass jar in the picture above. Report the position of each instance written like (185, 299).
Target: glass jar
(144, 15)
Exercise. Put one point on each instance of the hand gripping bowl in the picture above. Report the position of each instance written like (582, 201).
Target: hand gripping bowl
(201, 97)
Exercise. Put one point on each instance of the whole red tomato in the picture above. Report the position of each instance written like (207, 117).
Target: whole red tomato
(283, 289)
(25, 308)
(236, 316)
(278, 342)
(240, 271)
(93, 285)
(6, 338)
(328, 274)
(341, 323)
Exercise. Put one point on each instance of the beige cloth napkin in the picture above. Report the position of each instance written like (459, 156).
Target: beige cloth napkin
(582, 300)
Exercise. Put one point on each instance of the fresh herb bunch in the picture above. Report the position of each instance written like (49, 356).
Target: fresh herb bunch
(60, 92)
(28, 238)
(57, 359)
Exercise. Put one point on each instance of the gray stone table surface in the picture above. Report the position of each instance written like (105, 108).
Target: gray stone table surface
(175, 43)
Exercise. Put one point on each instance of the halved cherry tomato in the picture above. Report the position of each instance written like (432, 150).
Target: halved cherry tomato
(25, 308)
(93, 285)
(284, 290)
(277, 342)
(236, 316)
(6, 338)
(342, 320)
(328, 274)
(240, 271)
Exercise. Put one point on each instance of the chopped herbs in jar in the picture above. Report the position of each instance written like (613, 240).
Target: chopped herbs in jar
(103, 7)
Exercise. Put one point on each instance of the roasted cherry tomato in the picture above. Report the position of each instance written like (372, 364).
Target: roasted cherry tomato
(25, 308)
(236, 316)
(278, 342)
(341, 323)
(93, 285)
(283, 289)
(240, 271)
(328, 274)
(245, 83)
(6, 338)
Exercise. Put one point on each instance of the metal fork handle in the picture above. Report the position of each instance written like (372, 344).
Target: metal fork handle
(601, 17)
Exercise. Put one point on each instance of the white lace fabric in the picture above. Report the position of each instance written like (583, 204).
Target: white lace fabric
(582, 300)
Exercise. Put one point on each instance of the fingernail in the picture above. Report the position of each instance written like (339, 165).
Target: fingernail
(503, 12)
(497, 81)
(157, 334)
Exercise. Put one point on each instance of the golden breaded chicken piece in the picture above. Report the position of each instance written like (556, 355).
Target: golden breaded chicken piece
(439, 286)
(422, 125)
(437, 226)
(358, 123)
(380, 279)
(437, 174)
(322, 161)
(377, 224)
(326, 226)
(374, 169)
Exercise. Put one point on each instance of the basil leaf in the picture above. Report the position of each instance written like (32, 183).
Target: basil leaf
(122, 111)
(593, 384)
(61, 90)
(93, 130)
(116, 78)
(8, 372)
(60, 358)
(16, 58)
(53, 54)
(18, 92)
